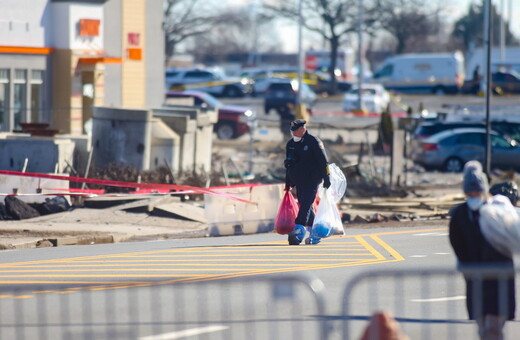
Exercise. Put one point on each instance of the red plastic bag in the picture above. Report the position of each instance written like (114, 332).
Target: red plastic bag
(287, 213)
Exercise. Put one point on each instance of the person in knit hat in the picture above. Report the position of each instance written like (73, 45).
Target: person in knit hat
(483, 297)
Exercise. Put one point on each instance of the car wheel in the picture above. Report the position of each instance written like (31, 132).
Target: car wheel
(439, 90)
(453, 164)
(225, 130)
(232, 91)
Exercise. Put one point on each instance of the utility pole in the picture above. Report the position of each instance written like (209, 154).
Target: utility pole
(361, 14)
(300, 55)
(487, 79)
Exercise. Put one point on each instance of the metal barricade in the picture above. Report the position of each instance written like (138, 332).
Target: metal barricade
(427, 304)
(262, 307)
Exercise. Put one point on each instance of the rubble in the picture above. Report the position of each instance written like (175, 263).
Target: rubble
(19, 210)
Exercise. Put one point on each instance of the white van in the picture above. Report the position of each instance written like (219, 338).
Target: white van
(437, 73)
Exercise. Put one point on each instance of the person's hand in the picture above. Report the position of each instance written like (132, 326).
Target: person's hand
(287, 186)
(287, 163)
(326, 182)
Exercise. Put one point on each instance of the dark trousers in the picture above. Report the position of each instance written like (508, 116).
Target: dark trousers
(306, 194)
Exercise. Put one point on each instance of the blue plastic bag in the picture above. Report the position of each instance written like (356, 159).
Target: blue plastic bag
(327, 220)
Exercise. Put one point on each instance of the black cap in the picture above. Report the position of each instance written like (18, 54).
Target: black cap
(298, 123)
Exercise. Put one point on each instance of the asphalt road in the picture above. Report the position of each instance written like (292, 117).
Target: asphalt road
(233, 288)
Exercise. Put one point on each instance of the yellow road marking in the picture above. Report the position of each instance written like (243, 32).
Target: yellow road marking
(360, 251)
(389, 249)
(370, 248)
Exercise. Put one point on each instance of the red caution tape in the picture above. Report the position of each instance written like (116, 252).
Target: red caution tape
(122, 184)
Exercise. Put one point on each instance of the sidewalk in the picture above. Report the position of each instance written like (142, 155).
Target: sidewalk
(90, 226)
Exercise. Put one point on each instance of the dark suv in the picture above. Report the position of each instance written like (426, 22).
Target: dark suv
(233, 121)
(283, 92)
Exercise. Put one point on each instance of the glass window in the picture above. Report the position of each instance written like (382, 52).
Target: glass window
(4, 99)
(385, 72)
(471, 138)
(36, 95)
(20, 97)
(499, 142)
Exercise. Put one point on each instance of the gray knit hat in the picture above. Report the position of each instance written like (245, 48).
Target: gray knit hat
(474, 178)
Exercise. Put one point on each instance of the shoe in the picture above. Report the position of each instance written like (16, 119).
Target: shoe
(297, 235)
(313, 239)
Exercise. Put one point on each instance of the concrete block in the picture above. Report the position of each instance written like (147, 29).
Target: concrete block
(82, 147)
(229, 217)
(31, 185)
(122, 136)
(43, 154)
(184, 210)
(242, 228)
(178, 122)
(165, 148)
(64, 241)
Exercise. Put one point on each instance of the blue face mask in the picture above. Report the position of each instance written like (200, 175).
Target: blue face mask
(474, 203)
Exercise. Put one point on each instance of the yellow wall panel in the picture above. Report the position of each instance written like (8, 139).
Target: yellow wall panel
(134, 73)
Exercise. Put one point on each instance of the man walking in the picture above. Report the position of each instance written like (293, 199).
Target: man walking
(490, 302)
(306, 166)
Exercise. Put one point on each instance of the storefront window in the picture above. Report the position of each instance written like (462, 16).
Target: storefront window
(4, 99)
(36, 95)
(20, 97)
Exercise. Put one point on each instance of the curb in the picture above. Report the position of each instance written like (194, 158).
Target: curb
(59, 241)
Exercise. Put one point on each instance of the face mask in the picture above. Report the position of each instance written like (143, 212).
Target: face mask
(474, 203)
(296, 139)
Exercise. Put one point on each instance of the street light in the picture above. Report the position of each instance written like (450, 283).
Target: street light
(299, 108)
(361, 14)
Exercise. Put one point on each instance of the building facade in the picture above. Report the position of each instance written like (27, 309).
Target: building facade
(60, 58)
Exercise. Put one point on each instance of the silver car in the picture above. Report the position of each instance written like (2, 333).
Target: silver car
(450, 150)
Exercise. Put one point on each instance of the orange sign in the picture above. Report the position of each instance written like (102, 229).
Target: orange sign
(89, 27)
(134, 54)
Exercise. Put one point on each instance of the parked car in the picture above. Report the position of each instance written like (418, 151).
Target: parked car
(233, 121)
(208, 81)
(324, 85)
(261, 78)
(501, 83)
(505, 82)
(449, 150)
(284, 92)
(375, 98)
(510, 130)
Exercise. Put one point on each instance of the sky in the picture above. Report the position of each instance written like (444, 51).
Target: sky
(454, 8)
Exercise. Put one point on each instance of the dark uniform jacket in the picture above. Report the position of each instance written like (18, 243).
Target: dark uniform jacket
(306, 160)
(472, 249)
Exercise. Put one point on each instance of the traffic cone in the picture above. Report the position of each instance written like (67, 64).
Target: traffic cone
(383, 326)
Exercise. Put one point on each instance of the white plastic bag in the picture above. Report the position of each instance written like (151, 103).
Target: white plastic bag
(327, 220)
(500, 224)
(338, 183)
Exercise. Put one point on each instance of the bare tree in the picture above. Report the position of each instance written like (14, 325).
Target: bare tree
(409, 22)
(468, 29)
(185, 19)
(239, 33)
(334, 20)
